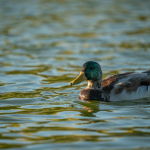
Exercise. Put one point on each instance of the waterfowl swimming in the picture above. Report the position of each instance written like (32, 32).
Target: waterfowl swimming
(124, 86)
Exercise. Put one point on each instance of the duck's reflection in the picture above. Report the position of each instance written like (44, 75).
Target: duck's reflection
(90, 108)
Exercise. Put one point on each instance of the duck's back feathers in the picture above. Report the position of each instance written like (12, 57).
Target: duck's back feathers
(109, 83)
(126, 86)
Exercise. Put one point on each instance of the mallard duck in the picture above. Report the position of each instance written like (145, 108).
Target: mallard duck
(124, 86)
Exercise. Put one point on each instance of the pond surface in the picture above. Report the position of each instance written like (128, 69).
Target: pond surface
(43, 45)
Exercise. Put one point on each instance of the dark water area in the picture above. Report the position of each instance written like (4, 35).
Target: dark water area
(43, 45)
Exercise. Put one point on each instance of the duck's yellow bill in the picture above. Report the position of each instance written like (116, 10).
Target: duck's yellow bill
(79, 79)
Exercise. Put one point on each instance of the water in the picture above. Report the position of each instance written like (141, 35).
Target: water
(43, 45)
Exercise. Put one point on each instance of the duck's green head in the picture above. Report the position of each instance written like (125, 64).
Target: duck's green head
(90, 71)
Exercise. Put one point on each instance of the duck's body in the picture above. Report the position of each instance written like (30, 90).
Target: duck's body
(125, 86)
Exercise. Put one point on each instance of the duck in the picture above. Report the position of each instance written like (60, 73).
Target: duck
(123, 86)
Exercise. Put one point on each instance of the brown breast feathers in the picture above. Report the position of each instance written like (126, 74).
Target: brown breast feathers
(90, 94)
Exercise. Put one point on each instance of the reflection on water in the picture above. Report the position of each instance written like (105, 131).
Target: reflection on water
(43, 45)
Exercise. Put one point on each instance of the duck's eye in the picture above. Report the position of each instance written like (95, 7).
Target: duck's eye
(91, 68)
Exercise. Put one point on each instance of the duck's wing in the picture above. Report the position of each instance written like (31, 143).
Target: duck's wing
(110, 81)
(126, 83)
